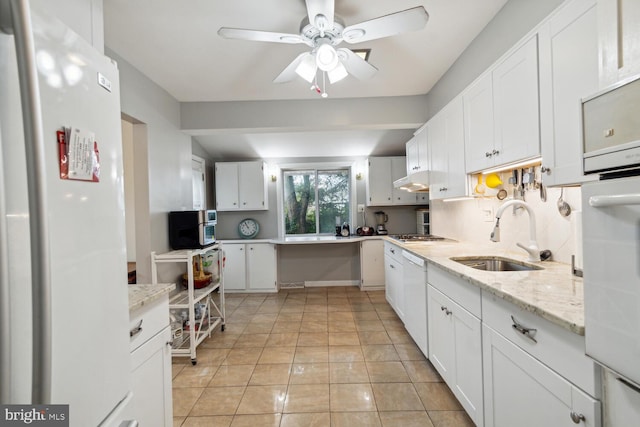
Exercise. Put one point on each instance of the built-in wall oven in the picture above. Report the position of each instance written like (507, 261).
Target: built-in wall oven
(611, 229)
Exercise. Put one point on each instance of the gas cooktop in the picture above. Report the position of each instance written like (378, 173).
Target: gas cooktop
(416, 237)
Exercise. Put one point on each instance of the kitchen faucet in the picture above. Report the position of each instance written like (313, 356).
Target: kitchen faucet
(532, 249)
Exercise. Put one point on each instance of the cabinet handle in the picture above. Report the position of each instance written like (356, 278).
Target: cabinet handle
(495, 152)
(488, 154)
(545, 169)
(244, 203)
(242, 249)
(251, 248)
(527, 332)
(393, 251)
(445, 309)
(392, 266)
(170, 343)
(136, 329)
(576, 418)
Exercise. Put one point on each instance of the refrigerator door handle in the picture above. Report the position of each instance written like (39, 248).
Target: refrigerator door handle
(37, 189)
(5, 317)
(614, 200)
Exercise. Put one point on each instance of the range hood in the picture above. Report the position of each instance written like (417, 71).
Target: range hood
(417, 182)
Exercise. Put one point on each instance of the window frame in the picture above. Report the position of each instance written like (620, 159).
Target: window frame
(316, 167)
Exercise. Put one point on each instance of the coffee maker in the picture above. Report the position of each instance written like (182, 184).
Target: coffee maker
(381, 219)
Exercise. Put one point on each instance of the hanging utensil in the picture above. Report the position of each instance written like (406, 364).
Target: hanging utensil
(563, 207)
(543, 192)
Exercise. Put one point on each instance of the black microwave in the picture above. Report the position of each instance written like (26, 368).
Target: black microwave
(192, 229)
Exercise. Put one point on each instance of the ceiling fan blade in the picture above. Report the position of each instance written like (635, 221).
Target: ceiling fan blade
(261, 36)
(321, 8)
(355, 65)
(289, 73)
(389, 25)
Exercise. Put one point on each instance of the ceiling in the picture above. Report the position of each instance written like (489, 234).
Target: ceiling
(175, 44)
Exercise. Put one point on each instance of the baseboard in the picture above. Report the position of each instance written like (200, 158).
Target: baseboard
(324, 283)
(372, 288)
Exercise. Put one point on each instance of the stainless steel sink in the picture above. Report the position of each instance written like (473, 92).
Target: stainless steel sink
(495, 263)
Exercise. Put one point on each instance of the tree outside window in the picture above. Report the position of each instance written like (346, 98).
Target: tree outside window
(315, 201)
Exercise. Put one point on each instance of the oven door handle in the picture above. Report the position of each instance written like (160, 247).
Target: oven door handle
(614, 200)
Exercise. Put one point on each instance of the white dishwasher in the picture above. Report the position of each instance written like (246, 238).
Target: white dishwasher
(415, 298)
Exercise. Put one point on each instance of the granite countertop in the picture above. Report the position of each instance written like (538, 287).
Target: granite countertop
(140, 295)
(552, 293)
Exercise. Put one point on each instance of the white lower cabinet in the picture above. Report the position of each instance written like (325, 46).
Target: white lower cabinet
(151, 364)
(455, 350)
(250, 267)
(521, 391)
(393, 275)
(371, 265)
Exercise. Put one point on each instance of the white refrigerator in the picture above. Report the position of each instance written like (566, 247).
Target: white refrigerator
(63, 279)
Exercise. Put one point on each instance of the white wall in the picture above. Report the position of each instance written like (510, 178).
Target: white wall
(169, 159)
(464, 220)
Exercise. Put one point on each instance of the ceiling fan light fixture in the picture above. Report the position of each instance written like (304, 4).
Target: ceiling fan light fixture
(326, 57)
(337, 74)
(307, 68)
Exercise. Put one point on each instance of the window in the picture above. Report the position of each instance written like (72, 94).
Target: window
(315, 201)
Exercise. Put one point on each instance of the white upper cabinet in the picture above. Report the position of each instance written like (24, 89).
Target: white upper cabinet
(382, 172)
(417, 150)
(568, 73)
(241, 186)
(515, 102)
(480, 152)
(619, 36)
(446, 137)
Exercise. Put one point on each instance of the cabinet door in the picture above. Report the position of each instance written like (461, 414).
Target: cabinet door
(261, 266)
(438, 159)
(413, 155)
(515, 97)
(423, 149)
(393, 278)
(235, 271)
(440, 327)
(252, 186)
(227, 186)
(399, 170)
(478, 125)
(467, 362)
(456, 177)
(619, 36)
(379, 182)
(568, 72)
(521, 391)
(151, 378)
(415, 304)
(372, 264)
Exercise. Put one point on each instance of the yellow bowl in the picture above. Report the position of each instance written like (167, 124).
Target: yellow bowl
(493, 180)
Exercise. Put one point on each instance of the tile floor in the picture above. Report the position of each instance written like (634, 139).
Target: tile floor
(313, 357)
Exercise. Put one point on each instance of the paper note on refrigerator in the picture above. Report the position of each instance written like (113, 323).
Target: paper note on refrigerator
(80, 156)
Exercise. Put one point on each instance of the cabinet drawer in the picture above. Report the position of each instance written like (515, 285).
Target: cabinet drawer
(561, 350)
(395, 252)
(463, 293)
(154, 317)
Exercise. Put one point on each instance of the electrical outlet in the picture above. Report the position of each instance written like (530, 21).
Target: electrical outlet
(487, 215)
(360, 208)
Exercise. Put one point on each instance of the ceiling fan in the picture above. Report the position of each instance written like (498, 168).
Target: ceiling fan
(322, 30)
